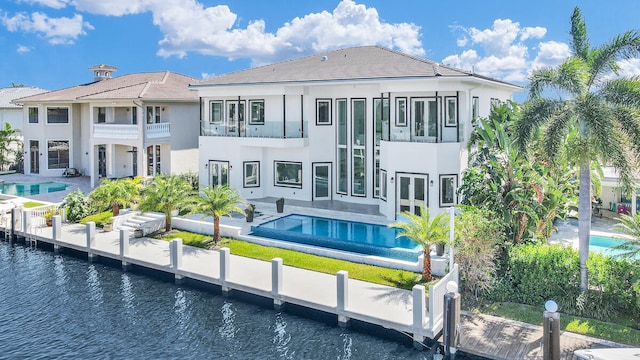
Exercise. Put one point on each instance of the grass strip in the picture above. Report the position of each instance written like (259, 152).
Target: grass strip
(31, 204)
(585, 326)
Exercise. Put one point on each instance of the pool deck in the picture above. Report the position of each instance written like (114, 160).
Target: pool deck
(484, 335)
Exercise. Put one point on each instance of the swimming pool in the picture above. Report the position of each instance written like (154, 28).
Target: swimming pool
(26, 189)
(358, 237)
(604, 244)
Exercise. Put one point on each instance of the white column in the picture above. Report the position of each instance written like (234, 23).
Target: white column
(276, 282)
(91, 239)
(342, 282)
(175, 251)
(225, 257)
(124, 247)
(57, 232)
(419, 306)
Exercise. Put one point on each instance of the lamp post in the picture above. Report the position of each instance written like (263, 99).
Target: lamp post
(551, 332)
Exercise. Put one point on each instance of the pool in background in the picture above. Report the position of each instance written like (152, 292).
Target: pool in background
(358, 237)
(604, 244)
(26, 189)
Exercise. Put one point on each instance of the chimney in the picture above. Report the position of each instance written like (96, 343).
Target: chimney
(102, 71)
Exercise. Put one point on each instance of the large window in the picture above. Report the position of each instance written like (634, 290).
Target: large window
(57, 115)
(475, 108)
(102, 115)
(153, 160)
(401, 111)
(451, 108)
(381, 117)
(216, 113)
(251, 174)
(425, 118)
(323, 112)
(448, 187)
(58, 154)
(383, 185)
(153, 114)
(342, 173)
(257, 112)
(358, 146)
(33, 115)
(288, 174)
(235, 115)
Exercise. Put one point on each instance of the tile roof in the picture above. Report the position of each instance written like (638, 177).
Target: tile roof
(9, 94)
(161, 85)
(366, 62)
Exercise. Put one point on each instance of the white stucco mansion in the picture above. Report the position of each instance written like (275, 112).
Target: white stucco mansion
(135, 124)
(363, 125)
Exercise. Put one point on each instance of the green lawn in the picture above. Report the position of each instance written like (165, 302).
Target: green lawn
(379, 275)
(590, 327)
(31, 204)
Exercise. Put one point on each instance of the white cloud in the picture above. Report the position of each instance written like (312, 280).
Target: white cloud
(206, 75)
(61, 30)
(56, 4)
(21, 49)
(502, 51)
(629, 68)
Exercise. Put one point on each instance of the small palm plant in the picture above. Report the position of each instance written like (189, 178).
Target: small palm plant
(115, 193)
(218, 201)
(166, 193)
(426, 231)
(630, 248)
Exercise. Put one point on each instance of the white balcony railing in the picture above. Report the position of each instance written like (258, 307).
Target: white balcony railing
(158, 130)
(115, 131)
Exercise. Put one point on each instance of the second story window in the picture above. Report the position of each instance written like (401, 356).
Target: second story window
(323, 112)
(57, 115)
(257, 112)
(33, 115)
(216, 112)
(102, 115)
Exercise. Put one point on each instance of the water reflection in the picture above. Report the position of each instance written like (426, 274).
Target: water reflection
(228, 327)
(346, 346)
(95, 289)
(281, 338)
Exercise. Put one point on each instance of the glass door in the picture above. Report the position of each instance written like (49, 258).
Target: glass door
(102, 161)
(322, 181)
(218, 173)
(424, 119)
(411, 192)
(235, 117)
(34, 156)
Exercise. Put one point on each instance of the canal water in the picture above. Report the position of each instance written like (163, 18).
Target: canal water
(56, 306)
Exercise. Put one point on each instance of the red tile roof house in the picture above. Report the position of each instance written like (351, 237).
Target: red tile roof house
(135, 124)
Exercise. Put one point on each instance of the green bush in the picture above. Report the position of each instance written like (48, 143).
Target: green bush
(77, 205)
(99, 218)
(535, 273)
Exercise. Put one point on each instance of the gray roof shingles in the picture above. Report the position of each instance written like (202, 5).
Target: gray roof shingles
(366, 62)
(162, 85)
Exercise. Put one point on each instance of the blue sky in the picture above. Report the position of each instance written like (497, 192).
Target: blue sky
(51, 43)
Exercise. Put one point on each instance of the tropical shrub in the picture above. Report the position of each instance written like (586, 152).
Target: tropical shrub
(100, 218)
(77, 206)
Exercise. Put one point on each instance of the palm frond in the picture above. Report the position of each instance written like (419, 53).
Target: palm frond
(603, 61)
(622, 92)
(579, 39)
(536, 112)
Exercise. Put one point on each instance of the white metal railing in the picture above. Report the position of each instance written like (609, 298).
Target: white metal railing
(37, 215)
(115, 131)
(158, 130)
(436, 299)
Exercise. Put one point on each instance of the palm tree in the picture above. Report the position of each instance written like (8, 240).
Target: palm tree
(425, 231)
(115, 193)
(595, 119)
(630, 225)
(218, 201)
(8, 135)
(166, 193)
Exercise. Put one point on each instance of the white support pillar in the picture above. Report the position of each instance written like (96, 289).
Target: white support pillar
(225, 262)
(175, 250)
(276, 283)
(419, 306)
(452, 251)
(342, 282)
(57, 232)
(124, 248)
(91, 239)
(26, 220)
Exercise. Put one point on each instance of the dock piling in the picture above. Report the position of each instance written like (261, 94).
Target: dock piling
(175, 250)
(419, 306)
(342, 282)
(124, 248)
(276, 283)
(91, 240)
(225, 261)
(57, 233)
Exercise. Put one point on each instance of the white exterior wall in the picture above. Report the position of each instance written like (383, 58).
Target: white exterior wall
(320, 143)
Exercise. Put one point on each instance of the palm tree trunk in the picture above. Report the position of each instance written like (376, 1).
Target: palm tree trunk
(216, 229)
(116, 209)
(167, 222)
(584, 222)
(426, 265)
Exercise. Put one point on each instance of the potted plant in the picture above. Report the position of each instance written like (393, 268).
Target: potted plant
(280, 205)
(107, 225)
(249, 212)
(48, 216)
(440, 248)
(138, 233)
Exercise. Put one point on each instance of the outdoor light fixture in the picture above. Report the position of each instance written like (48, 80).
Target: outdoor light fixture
(431, 182)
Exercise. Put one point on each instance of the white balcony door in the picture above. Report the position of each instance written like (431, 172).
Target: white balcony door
(235, 117)
(411, 192)
(218, 173)
(424, 119)
(34, 156)
(322, 181)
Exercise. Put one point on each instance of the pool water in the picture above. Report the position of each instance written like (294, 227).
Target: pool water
(26, 189)
(358, 237)
(604, 245)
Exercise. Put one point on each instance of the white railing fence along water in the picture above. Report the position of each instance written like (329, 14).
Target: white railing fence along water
(436, 298)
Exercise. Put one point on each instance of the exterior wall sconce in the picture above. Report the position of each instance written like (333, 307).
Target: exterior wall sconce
(430, 182)
(206, 165)
(392, 179)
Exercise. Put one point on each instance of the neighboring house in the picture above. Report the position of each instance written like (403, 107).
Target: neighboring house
(11, 113)
(612, 196)
(136, 124)
(364, 125)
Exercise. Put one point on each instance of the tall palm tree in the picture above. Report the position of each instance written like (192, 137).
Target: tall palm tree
(630, 248)
(425, 231)
(8, 136)
(218, 201)
(115, 193)
(166, 193)
(595, 118)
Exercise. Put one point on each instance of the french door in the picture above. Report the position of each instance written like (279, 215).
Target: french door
(322, 181)
(424, 119)
(102, 161)
(34, 156)
(218, 173)
(411, 192)
(235, 117)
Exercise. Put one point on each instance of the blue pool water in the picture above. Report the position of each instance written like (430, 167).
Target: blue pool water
(363, 238)
(604, 245)
(26, 189)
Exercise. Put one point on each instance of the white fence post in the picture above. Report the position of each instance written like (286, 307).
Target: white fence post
(91, 239)
(225, 259)
(175, 250)
(57, 232)
(124, 247)
(26, 220)
(342, 282)
(419, 305)
(276, 283)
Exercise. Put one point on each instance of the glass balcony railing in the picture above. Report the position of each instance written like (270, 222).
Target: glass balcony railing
(271, 129)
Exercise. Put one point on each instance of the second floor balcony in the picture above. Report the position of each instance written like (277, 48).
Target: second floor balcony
(131, 131)
(271, 130)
